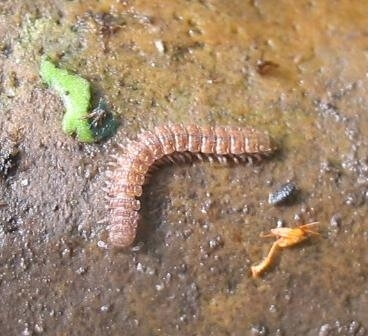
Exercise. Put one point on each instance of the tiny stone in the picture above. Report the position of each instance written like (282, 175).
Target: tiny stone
(324, 330)
(160, 46)
(187, 233)
(183, 267)
(278, 332)
(246, 210)
(361, 332)
(150, 270)
(24, 182)
(297, 217)
(168, 277)
(279, 223)
(81, 270)
(259, 331)
(102, 244)
(66, 252)
(335, 221)
(273, 309)
(139, 267)
(137, 247)
(183, 318)
(353, 327)
(38, 329)
(350, 199)
(104, 308)
(212, 243)
(160, 287)
(26, 332)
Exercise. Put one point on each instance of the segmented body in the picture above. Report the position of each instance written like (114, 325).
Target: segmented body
(126, 179)
(282, 194)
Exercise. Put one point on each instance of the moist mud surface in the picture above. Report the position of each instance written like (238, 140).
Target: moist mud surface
(297, 70)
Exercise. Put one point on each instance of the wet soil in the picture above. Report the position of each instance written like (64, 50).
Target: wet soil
(298, 70)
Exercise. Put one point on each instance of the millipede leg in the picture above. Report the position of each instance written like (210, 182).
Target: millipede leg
(235, 159)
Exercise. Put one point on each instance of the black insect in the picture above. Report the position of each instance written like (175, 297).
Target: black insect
(283, 194)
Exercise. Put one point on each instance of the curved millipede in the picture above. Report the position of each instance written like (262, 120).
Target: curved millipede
(170, 143)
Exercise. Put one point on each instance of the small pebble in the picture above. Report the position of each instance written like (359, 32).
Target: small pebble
(24, 183)
(353, 327)
(259, 331)
(26, 332)
(279, 223)
(81, 270)
(139, 267)
(324, 330)
(160, 287)
(159, 46)
(273, 308)
(335, 221)
(66, 252)
(105, 308)
(136, 248)
(38, 328)
(102, 244)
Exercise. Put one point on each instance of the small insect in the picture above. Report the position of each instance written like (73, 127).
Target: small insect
(286, 237)
(98, 114)
(282, 194)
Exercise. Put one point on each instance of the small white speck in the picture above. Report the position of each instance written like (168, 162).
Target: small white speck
(160, 287)
(24, 182)
(66, 252)
(105, 308)
(150, 270)
(273, 308)
(81, 270)
(26, 332)
(38, 329)
(159, 46)
(279, 223)
(102, 244)
(137, 247)
(139, 267)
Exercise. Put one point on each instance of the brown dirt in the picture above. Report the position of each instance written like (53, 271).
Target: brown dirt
(295, 69)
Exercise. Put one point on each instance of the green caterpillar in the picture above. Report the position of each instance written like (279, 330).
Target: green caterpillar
(76, 94)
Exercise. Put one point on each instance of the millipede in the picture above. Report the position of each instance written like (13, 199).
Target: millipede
(175, 143)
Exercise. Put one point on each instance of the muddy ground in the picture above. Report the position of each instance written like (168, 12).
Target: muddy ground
(297, 69)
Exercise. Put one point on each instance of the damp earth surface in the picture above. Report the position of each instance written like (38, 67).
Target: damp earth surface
(298, 70)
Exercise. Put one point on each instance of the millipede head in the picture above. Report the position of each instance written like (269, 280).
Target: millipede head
(259, 143)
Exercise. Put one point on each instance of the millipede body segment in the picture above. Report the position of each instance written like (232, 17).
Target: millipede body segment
(172, 142)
